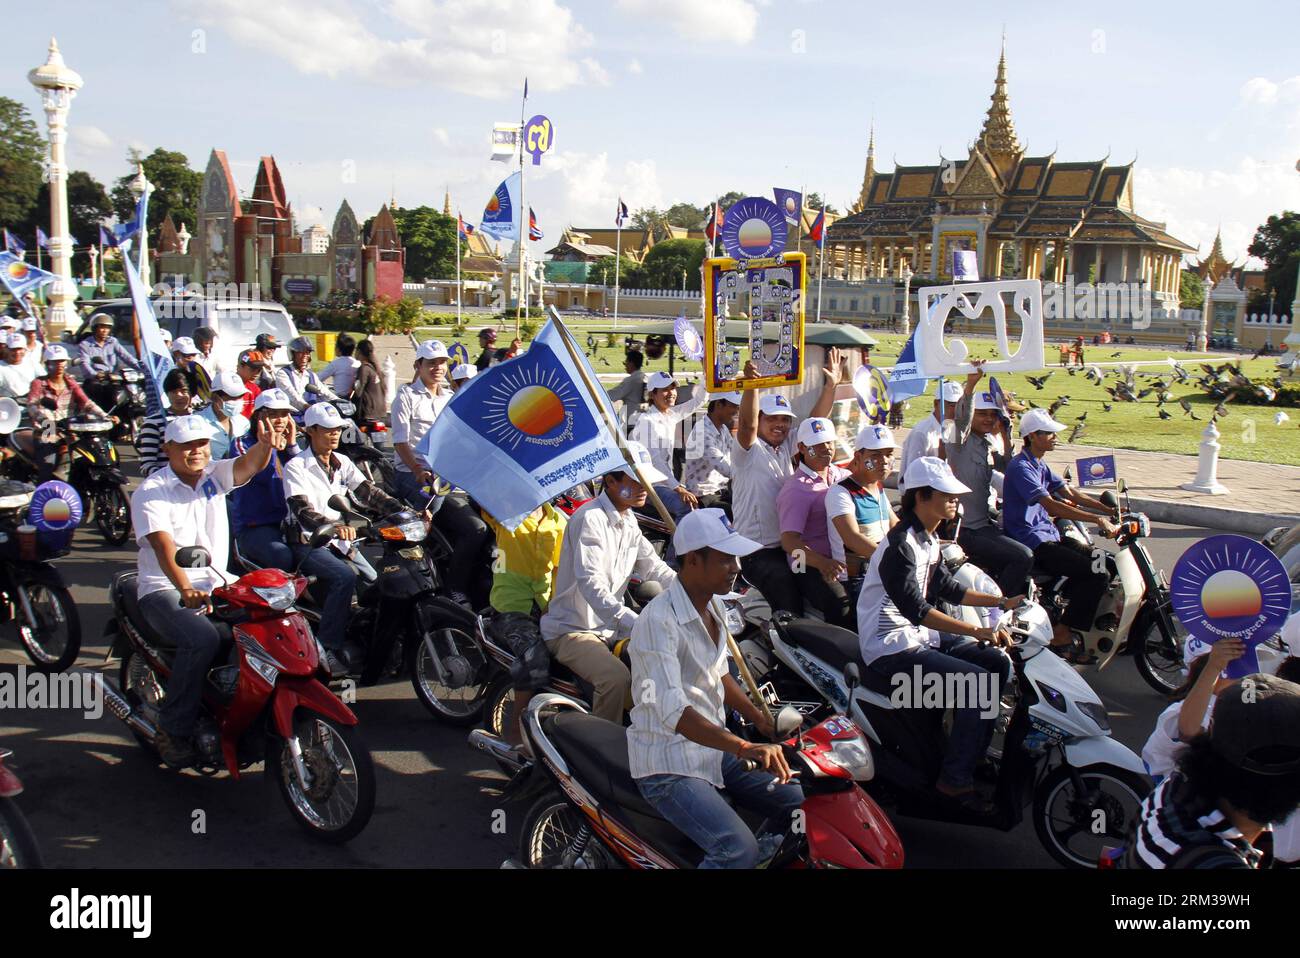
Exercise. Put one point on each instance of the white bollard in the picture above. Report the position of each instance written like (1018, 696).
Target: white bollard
(1207, 468)
(390, 381)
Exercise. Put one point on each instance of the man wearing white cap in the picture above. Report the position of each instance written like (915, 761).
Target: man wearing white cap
(100, 354)
(927, 435)
(657, 431)
(258, 509)
(184, 504)
(311, 479)
(298, 380)
(707, 473)
(982, 444)
(678, 747)
(462, 373)
(903, 636)
(34, 346)
(760, 463)
(801, 512)
(225, 413)
(603, 547)
(1032, 497)
(51, 400)
(415, 407)
(858, 513)
(16, 374)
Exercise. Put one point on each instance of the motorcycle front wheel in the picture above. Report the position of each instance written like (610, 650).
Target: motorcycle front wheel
(1074, 827)
(53, 641)
(550, 835)
(460, 697)
(113, 515)
(18, 848)
(336, 797)
(1159, 659)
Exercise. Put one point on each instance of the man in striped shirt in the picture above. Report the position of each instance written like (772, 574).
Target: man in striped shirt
(1229, 784)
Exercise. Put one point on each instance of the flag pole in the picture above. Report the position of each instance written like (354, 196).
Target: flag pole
(618, 259)
(798, 220)
(460, 289)
(601, 401)
(523, 216)
(821, 262)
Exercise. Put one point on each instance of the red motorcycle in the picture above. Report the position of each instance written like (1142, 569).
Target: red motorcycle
(263, 700)
(17, 842)
(590, 813)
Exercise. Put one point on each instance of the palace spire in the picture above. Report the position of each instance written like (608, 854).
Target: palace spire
(998, 138)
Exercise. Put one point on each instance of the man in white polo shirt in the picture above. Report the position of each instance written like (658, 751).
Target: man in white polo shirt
(184, 504)
(760, 463)
(707, 473)
(927, 435)
(679, 750)
(657, 431)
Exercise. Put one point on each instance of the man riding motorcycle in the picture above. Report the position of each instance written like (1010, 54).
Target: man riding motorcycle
(902, 634)
(184, 504)
(100, 355)
(1032, 497)
(298, 381)
(603, 548)
(311, 479)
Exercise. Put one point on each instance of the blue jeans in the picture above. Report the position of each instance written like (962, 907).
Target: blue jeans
(703, 815)
(197, 643)
(971, 732)
(407, 487)
(672, 500)
(265, 545)
(336, 580)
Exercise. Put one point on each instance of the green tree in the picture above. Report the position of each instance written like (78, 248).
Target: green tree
(728, 200)
(176, 189)
(686, 215)
(429, 237)
(814, 202)
(1277, 243)
(88, 207)
(666, 261)
(21, 153)
(601, 272)
(1191, 291)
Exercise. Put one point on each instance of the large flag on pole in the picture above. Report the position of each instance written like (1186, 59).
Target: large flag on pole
(620, 215)
(157, 360)
(817, 232)
(499, 219)
(524, 431)
(790, 202)
(14, 245)
(464, 228)
(20, 277)
(714, 223)
(42, 240)
(905, 379)
(534, 231)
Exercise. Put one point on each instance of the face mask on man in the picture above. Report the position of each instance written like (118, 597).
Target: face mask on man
(232, 407)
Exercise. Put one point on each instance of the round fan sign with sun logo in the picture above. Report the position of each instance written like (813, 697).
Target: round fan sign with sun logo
(689, 340)
(1231, 587)
(755, 228)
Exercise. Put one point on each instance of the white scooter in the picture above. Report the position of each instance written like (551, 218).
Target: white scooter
(1052, 746)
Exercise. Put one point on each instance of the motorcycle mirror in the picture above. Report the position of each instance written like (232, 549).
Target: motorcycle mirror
(340, 505)
(852, 676)
(322, 536)
(1121, 485)
(1108, 499)
(193, 557)
(788, 721)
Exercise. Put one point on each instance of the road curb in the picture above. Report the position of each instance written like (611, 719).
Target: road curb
(1212, 517)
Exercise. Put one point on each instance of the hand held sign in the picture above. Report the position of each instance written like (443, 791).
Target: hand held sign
(935, 357)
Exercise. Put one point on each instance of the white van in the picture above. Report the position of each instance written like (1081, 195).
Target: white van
(237, 324)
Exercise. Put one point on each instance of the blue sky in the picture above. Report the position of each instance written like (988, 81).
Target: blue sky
(667, 100)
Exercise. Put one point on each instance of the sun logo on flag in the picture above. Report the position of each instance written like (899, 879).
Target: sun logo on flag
(494, 204)
(530, 405)
(18, 270)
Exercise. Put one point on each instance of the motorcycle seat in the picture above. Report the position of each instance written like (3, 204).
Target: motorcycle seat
(125, 589)
(835, 646)
(596, 751)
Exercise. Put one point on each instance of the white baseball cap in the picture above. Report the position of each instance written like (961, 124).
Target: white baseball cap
(641, 456)
(228, 383)
(10, 322)
(935, 473)
(710, 529)
(187, 429)
(431, 349)
(272, 399)
(875, 437)
(323, 414)
(733, 397)
(952, 391)
(986, 401)
(29, 325)
(166, 335)
(660, 381)
(1039, 420)
(464, 371)
(815, 430)
(774, 404)
(54, 352)
(17, 341)
(185, 346)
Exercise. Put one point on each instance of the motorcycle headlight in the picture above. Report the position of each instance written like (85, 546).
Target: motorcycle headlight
(1096, 712)
(414, 531)
(1053, 697)
(854, 756)
(278, 597)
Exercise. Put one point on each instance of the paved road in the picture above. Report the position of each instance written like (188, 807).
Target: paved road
(96, 800)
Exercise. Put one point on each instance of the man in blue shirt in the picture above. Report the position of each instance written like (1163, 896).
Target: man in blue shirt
(258, 508)
(100, 355)
(1033, 497)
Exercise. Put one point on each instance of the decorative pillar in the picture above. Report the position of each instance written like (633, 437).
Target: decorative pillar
(1207, 466)
(907, 300)
(138, 186)
(1096, 263)
(57, 85)
(1202, 336)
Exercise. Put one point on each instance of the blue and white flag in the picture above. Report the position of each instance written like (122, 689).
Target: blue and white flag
(20, 277)
(500, 216)
(906, 380)
(157, 360)
(14, 245)
(790, 202)
(1096, 470)
(620, 214)
(524, 431)
(42, 240)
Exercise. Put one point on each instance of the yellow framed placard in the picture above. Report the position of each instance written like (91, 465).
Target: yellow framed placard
(768, 290)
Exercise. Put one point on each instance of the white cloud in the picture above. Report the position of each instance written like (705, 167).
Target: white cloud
(308, 216)
(1261, 91)
(634, 67)
(454, 44)
(89, 139)
(588, 189)
(704, 20)
(440, 135)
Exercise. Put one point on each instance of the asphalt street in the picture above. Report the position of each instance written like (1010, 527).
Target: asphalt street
(97, 800)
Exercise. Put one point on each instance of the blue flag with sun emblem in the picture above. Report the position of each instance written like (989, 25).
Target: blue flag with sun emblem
(524, 431)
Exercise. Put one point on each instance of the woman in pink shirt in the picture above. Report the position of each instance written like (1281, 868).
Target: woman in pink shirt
(801, 509)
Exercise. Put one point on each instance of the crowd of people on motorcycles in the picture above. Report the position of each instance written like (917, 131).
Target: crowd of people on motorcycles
(251, 454)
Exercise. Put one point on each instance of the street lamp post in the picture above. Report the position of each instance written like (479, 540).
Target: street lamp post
(138, 186)
(907, 299)
(57, 85)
